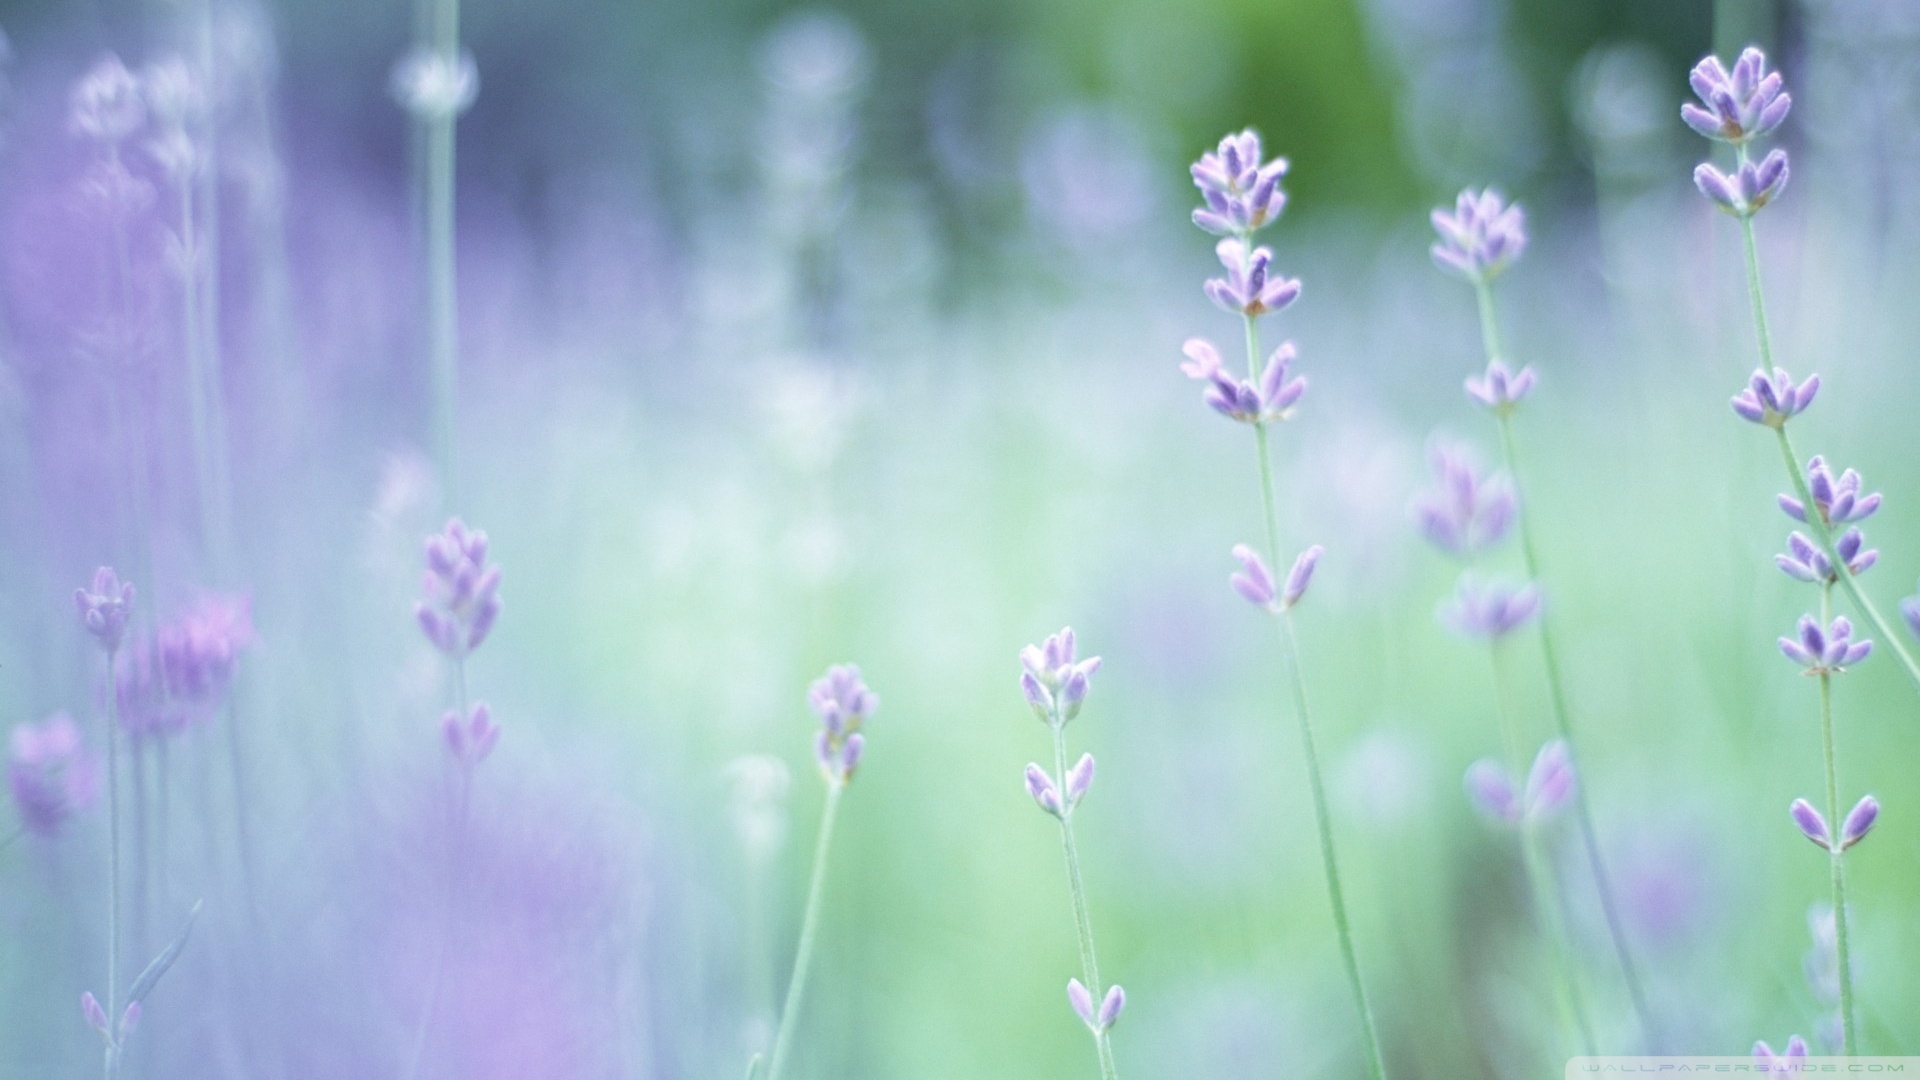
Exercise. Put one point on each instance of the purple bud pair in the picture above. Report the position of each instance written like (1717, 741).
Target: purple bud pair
(1100, 1019)
(1489, 610)
(1049, 797)
(1242, 193)
(1255, 583)
(1838, 500)
(469, 741)
(842, 701)
(1789, 1061)
(1742, 104)
(1825, 652)
(1805, 562)
(1273, 399)
(1054, 681)
(97, 1019)
(1501, 388)
(838, 758)
(1858, 823)
(1550, 787)
(1481, 237)
(1250, 287)
(1748, 188)
(105, 607)
(1772, 400)
(1467, 511)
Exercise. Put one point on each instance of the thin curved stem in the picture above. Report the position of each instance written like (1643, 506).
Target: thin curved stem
(809, 931)
(111, 1067)
(1082, 917)
(1835, 855)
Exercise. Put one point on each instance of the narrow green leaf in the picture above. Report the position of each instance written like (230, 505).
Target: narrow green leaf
(143, 985)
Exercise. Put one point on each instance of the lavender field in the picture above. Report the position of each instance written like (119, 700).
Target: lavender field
(957, 540)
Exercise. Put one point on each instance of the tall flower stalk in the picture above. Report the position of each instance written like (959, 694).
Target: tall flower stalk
(1056, 681)
(843, 703)
(104, 609)
(1479, 239)
(1242, 195)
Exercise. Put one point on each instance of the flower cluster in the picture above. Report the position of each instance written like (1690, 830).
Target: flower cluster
(1481, 237)
(181, 676)
(1838, 501)
(1549, 788)
(105, 607)
(1489, 610)
(1242, 193)
(462, 590)
(1101, 1018)
(1054, 681)
(1501, 388)
(1468, 511)
(1050, 797)
(1250, 287)
(49, 774)
(1270, 400)
(105, 104)
(1255, 583)
(1772, 399)
(842, 702)
(471, 739)
(1740, 106)
(1805, 562)
(1825, 652)
(1852, 830)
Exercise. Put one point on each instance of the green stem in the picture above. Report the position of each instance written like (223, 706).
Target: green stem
(809, 931)
(1336, 897)
(1835, 859)
(1540, 878)
(442, 302)
(1082, 918)
(1557, 695)
(111, 1065)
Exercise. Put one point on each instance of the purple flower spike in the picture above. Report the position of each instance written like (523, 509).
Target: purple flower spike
(1489, 611)
(1054, 681)
(1787, 1062)
(1812, 825)
(1481, 237)
(1752, 186)
(1741, 105)
(1249, 288)
(842, 701)
(1040, 786)
(1467, 511)
(1111, 1006)
(106, 105)
(469, 741)
(104, 607)
(1860, 819)
(1825, 652)
(1300, 576)
(1079, 780)
(1242, 193)
(49, 774)
(1500, 389)
(95, 1015)
(1551, 783)
(1254, 582)
(1771, 401)
(1491, 791)
(1272, 400)
(1838, 500)
(462, 590)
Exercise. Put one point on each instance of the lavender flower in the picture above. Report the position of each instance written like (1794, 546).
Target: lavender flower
(1772, 400)
(462, 590)
(469, 741)
(1242, 193)
(1805, 562)
(1255, 582)
(1054, 682)
(1813, 825)
(1051, 798)
(1041, 787)
(1489, 610)
(49, 774)
(104, 607)
(843, 702)
(1239, 399)
(1481, 237)
(1501, 388)
(197, 650)
(1788, 1061)
(1550, 787)
(1859, 821)
(433, 85)
(1742, 104)
(1838, 500)
(105, 105)
(1249, 288)
(1467, 512)
(1827, 652)
(1097, 1020)
(1751, 186)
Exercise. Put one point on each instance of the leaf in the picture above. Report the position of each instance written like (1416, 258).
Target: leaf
(143, 985)
(753, 1066)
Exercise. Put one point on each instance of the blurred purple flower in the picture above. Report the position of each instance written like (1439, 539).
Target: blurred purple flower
(462, 590)
(1501, 388)
(49, 774)
(1859, 821)
(1489, 610)
(1054, 681)
(1249, 288)
(1772, 400)
(1079, 780)
(1102, 1018)
(1041, 787)
(1825, 652)
(469, 741)
(1785, 1062)
(1242, 193)
(105, 104)
(1812, 824)
(181, 676)
(843, 702)
(104, 607)
(1805, 562)
(1838, 500)
(1481, 237)
(1239, 399)
(1742, 104)
(1466, 512)
(1490, 789)
(1550, 787)
(1751, 186)
(1254, 582)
